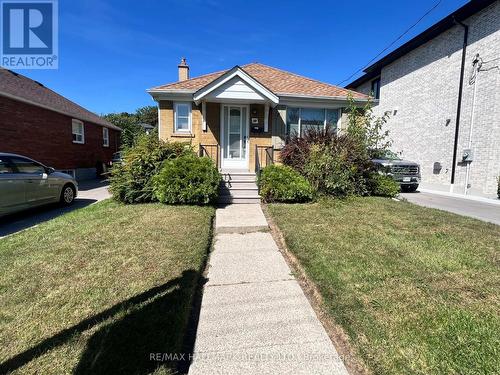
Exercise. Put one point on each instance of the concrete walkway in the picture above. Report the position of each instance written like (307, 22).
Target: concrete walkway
(254, 317)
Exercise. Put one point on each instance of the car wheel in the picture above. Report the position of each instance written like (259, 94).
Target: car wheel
(67, 195)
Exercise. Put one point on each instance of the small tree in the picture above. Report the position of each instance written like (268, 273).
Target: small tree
(367, 128)
(130, 123)
(147, 115)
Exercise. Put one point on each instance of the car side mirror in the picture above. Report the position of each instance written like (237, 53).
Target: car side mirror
(50, 170)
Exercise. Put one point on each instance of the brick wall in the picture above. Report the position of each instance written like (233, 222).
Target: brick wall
(212, 135)
(422, 87)
(46, 137)
(197, 136)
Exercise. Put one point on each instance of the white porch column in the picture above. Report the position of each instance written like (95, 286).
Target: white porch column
(266, 118)
(204, 116)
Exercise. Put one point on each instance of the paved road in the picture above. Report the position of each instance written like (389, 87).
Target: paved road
(89, 192)
(489, 212)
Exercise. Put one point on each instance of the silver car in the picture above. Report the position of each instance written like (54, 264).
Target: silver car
(25, 183)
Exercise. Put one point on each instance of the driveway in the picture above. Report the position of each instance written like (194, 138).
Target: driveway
(88, 192)
(489, 212)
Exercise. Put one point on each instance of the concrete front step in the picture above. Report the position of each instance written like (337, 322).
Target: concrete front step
(228, 199)
(239, 178)
(238, 185)
(240, 193)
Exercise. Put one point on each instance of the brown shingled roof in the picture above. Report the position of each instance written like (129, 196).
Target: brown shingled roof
(278, 81)
(20, 87)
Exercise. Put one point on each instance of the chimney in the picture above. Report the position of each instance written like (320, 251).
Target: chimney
(183, 70)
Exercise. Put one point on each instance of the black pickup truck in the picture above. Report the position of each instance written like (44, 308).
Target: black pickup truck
(406, 173)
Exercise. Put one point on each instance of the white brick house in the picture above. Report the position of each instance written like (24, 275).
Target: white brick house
(419, 87)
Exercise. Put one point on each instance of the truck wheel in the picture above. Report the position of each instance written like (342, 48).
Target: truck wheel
(409, 188)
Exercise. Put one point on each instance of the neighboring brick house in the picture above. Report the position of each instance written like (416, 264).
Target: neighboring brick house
(41, 124)
(241, 116)
(418, 85)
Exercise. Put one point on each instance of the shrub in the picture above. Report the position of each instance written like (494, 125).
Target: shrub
(131, 182)
(279, 183)
(498, 187)
(383, 185)
(188, 179)
(339, 165)
(334, 164)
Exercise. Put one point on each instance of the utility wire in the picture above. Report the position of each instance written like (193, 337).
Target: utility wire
(392, 43)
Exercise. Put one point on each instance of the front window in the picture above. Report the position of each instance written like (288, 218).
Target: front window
(182, 117)
(78, 131)
(301, 119)
(376, 88)
(105, 137)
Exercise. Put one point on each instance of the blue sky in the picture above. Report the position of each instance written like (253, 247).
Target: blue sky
(111, 51)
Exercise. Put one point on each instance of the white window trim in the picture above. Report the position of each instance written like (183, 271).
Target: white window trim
(105, 137)
(324, 120)
(189, 129)
(204, 116)
(78, 122)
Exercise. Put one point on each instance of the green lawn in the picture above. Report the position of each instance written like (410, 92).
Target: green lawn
(99, 289)
(415, 289)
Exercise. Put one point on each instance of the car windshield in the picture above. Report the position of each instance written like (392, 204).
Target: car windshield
(117, 155)
(386, 155)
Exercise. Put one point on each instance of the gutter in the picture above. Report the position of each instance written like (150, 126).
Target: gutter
(319, 97)
(459, 103)
(170, 91)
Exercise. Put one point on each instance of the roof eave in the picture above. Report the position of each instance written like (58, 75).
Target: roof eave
(157, 95)
(320, 97)
(102, 122)
(175, 91)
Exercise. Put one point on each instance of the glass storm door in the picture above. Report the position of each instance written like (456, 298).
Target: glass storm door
(235, 137)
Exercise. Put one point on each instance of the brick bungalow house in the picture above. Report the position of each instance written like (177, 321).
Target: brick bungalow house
(442, 91)
(43, 125)
(241, 116)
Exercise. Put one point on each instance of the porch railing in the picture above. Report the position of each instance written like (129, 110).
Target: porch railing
(211, 151)
(264, 156)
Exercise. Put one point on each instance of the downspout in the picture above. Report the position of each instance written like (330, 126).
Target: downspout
(459, 104)
(473, 110)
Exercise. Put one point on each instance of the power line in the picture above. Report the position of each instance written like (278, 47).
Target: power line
(392, 43)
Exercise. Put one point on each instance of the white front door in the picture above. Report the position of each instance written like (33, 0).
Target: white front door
(234, 135)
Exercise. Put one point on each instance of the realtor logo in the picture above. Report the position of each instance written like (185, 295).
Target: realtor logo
(29, 34)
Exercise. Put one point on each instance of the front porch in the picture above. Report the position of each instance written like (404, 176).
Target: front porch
(235, 136)
(261, 157)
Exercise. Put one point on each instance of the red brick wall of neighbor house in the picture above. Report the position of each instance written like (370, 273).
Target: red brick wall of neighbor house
(46, 136)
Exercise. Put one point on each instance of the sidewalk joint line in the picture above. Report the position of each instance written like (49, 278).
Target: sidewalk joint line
(251, 282)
